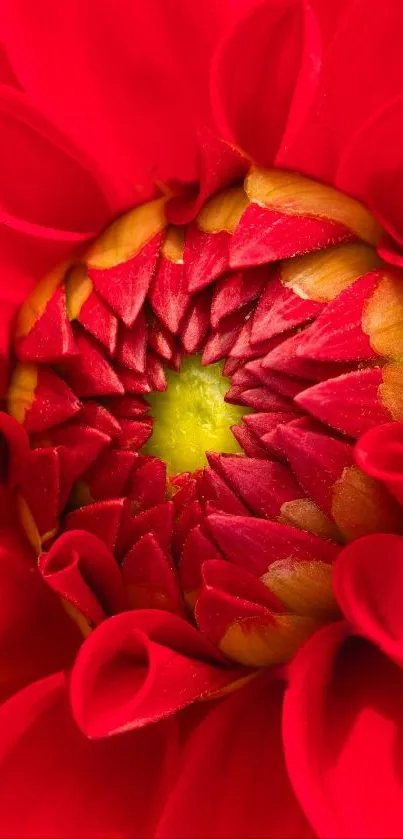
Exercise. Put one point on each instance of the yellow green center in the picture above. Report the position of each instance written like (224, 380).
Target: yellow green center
(191, 417)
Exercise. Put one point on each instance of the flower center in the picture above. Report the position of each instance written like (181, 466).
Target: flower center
(191, 417)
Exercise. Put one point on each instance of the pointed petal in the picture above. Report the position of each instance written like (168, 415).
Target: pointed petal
(236, 290)
(90, 374)
(349, 403)
(147, 486)
(125, 286)
(169, 295)
(132, 344)
(150, 579)
(196, 322)
(263, 485)
(358, 504)
(39, 399)
(85, 305)
(339, 334)
(51, 337)
(256, 543)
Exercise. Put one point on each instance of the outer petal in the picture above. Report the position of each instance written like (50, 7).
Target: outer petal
(375, 173)
(368, 582)
(347, 99)
(141, 66)
(68, 786)
(343, 726)
(264, 76)
(234, 782)
(36, 636)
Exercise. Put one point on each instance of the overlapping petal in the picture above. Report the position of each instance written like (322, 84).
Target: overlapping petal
(222, 790)
(115, 787)
(342, 731)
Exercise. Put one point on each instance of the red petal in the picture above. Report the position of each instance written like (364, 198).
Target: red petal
(280, 309)
(159, 521)
(272, 59)
(133, 382)
(155, 372)
(125, 286)
(53, 402)
(285, 359)
(238, 803)
(36, 636)
(324, 468)
(90, 374)
(349, 403)
(342, 720)
(132, 344)
(98, 319)
(220, 340)
(41, 488)
(100, 419)
(150, 579)
(206, 256)
(196, 322)
(262, 399)
(148, 484)
(256, 543)
(128, 407)
(51, 337)
(220, 164)
(161, 340)
(244, 347)
(134, 434)
(198, 548)
(169, 295)
(108, 520)
(263, 486)
(188, 519)
(110, 788)
(214, 488)
(235, 291)
(265, 235)
(262, 424)
(82, 571)
(367, 582)
(380, 453)
(109, 476)
(248, 442)
(79, 447)
(139, 668)
(337, 334)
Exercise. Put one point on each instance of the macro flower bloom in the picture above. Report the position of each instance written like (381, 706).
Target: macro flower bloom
(201, 442)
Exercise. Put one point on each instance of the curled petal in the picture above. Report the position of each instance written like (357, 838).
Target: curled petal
(140, 667)
(379, 452)
(342, 729)
(367, 582)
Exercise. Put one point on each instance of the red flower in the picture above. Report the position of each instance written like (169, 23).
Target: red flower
(240, 671)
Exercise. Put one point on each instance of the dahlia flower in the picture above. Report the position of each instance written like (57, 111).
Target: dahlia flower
(201, 532)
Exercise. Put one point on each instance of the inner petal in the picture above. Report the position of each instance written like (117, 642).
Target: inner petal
(191, 417)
